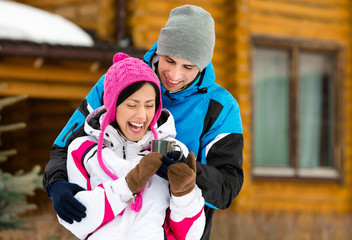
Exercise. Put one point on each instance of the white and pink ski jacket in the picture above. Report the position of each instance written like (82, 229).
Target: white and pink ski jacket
(162, 215)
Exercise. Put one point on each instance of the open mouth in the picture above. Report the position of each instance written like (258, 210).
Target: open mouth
(173, 82)
(135, 127)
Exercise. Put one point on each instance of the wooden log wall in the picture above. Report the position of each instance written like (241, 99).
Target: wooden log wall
(8, 127)
(309, 20)
(44, 120)
(53, 79)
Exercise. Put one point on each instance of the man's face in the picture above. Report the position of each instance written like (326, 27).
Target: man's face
(175, 73)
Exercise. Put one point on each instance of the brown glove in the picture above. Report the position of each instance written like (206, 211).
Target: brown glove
(138, 177)
(182, 176)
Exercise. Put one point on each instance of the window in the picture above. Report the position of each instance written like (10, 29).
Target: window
(296, 109)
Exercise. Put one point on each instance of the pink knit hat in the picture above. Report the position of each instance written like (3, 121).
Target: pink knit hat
(124, 72)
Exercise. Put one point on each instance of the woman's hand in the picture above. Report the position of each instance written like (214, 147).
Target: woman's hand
(138, 177)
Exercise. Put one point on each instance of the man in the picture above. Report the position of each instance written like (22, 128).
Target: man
(207, 117)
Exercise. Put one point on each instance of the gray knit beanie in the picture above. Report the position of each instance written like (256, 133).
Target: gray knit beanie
(188, 34)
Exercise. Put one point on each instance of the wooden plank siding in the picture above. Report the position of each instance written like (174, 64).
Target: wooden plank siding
(44, 120)
(311, 20)
(325, 21)
(51, 79)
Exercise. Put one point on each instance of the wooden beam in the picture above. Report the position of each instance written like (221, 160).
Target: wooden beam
(102, 53)
(3, 86)
(47, 90)
(49, 74)
(12, 127)
(7, 153)
(11, 100)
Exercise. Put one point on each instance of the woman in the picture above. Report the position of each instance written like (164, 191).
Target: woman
(124, 197)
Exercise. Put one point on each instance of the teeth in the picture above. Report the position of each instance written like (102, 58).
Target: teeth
(174, 82)
(136, 124)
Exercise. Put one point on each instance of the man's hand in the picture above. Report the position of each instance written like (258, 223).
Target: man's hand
(171, 158)
(65, 204)
(182, 176)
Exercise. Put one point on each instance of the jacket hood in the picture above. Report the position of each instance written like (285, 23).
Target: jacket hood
(205, 80)
(165, 128)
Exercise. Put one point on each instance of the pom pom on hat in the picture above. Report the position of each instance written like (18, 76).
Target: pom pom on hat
(119, 57)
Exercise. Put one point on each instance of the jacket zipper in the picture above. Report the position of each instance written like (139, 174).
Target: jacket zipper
(124, 152)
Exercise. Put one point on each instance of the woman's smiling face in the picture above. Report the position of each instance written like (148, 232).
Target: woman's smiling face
(135, 113)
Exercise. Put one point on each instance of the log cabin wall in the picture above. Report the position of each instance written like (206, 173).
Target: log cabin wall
(44, 119)
(314, 22)
(39, 77)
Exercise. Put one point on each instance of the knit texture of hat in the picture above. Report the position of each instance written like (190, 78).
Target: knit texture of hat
(189, 34)
(124, 72)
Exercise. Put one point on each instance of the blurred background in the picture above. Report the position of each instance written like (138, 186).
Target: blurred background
(287, 62)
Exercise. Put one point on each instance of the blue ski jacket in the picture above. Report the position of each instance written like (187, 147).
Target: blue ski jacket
(208, 122)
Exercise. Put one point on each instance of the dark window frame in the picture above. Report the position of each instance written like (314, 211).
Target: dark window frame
(294, 46)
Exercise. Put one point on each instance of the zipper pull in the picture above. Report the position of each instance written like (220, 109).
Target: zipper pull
(124, 152)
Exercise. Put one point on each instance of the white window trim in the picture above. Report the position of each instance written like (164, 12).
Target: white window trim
(327, 173)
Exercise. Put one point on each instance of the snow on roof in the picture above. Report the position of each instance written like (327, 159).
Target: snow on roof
(23, 22)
